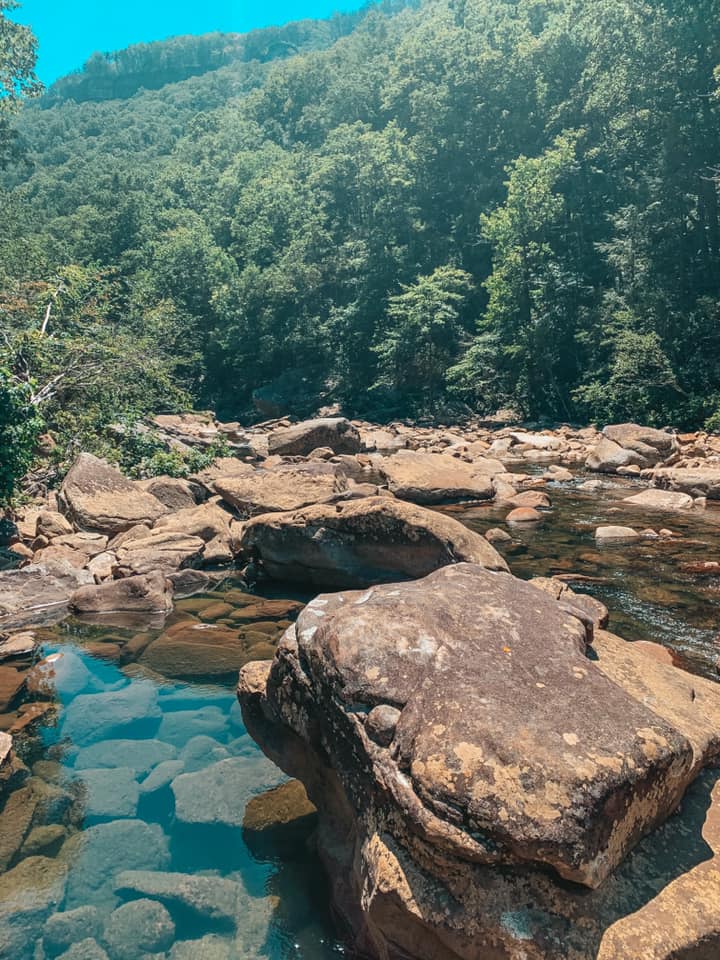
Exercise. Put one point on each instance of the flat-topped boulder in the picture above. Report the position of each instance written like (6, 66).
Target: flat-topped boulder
(695, 481)
(468, 757)
(38, 591)
(164, 550)
(360, 542)
(282, 488)
(660, 500)
(97, 497)
(428, 478)
(301, 439)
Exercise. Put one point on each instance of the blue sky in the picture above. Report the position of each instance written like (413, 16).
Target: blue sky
(70, 30)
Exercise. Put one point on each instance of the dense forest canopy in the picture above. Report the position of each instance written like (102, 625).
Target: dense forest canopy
(478, 203)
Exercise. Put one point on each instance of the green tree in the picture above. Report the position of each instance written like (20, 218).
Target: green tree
(20, 426)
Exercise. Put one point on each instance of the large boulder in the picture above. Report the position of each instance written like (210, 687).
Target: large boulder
(659, 500)
(628, 444)
(98, 497)
(280, 489)
(299, 440)
(429, 478)
(164, 550)
(694, 481)
(468, 758)
(38, 591)
(150, 593)
(175, 493)
(361, 542)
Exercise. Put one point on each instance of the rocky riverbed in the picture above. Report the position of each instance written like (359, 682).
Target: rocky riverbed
(495, 774)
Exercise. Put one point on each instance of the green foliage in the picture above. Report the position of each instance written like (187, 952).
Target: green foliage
(20, 426)
(503, 202)
(421, 334)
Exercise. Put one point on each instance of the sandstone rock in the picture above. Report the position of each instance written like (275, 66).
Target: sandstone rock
(51, 524)
(696, 481)
(409, 872)
(592, 608)
(616, 533)
(496, 535)
(210, 898)
(217, 793)
(268, 491)
(62, 930)
(222, 467)
(207, 521)
(362, 542)
(282, 806)
(337, 433)
(150, 593)
(96, 854)
(28, 894)
(163, 551)
(193, 429)
(12, 681)
(98, 497)
(428, 478)
(92, 716)
(652, 445)
(110, 793)
(16, 819)
(660, 500)
(17, 645)
(196, 650)
(607, 456)
(102, 566)
(174, 493)
(531, 761)
(88, 949)
(140, 927)
(37, 592)
(524, 515)
(44, 841)
(535, 499)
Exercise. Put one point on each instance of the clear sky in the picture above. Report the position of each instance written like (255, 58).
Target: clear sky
(70, 30)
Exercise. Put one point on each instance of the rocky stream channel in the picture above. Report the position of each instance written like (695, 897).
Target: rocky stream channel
(442, 761)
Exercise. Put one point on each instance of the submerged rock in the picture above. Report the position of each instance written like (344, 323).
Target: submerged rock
(362, 542)
(93, 716)
(29, 893)
(137, 928)
(216, 794)
(516, 760)
(212, 899)
(62, 930)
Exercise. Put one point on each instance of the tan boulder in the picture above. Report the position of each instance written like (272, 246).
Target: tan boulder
(163, 550)
(660, 500)
(359, 542)
(429, 478)
(98, 497)
(695, 481)
(280, 489)
(175, 493)
(150, 593)
(299, 440)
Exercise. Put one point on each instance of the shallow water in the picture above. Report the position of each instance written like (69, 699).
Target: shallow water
(150, 768)
(153, 773)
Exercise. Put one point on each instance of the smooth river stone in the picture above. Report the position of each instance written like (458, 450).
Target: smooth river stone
(217, 794)
(140, 755)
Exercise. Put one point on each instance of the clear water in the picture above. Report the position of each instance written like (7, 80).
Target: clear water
(119, 740)
(167, 692)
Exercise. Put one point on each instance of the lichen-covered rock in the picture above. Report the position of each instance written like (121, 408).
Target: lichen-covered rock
(98, 497)
(360, 542)
(516, 760)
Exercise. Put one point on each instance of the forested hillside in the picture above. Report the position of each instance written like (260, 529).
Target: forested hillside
(478, 203)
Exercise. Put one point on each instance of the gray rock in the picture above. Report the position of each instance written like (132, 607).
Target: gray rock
(111, 792)
(162, 776)
(28, 894)
(337, 433)
(140, 755)
(93, 717)
(217, 794)
(38, 592)
(142, 926)
(101, 851)
(87, 949)
(210, 898)
(177, 727)
(201, 751)
(210, 947)
(62, 930)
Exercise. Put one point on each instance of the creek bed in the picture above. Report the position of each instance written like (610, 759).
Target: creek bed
(144, 764)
